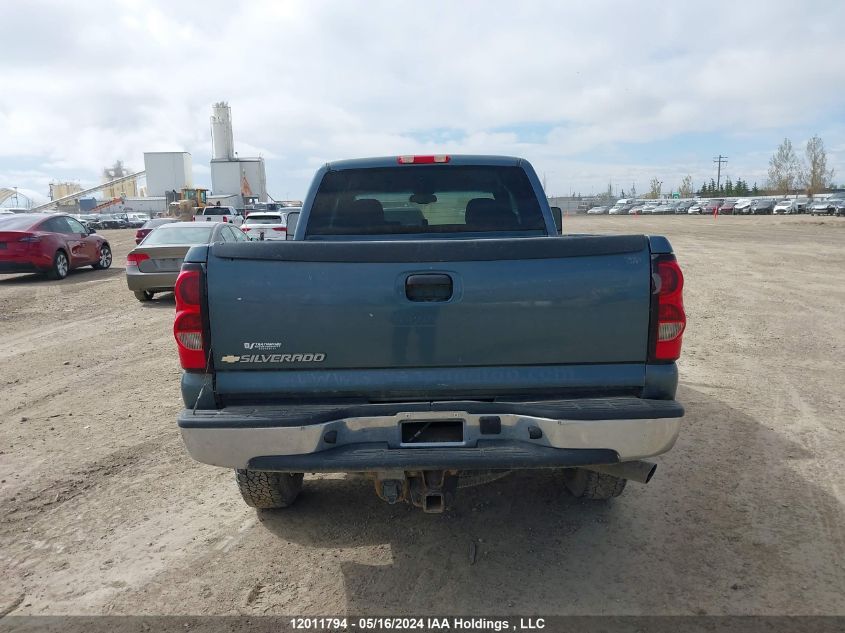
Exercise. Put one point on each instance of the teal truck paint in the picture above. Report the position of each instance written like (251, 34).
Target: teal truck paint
(427, 321)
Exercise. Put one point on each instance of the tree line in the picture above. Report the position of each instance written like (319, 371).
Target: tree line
(790, 174)
(787, 174)
(739, 188)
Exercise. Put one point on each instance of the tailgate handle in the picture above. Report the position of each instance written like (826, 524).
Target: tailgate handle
(432, 287)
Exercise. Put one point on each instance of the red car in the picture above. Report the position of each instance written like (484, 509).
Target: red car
(727, 208)
(149, 225)
(713, 205)
(52, 244)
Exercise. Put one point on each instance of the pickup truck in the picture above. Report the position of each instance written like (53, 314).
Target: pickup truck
(217, 213)
(428, 326)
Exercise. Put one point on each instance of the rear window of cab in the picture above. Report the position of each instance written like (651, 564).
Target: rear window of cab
(425, 200)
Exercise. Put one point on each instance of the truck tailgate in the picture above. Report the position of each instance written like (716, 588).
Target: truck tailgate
(461, 305)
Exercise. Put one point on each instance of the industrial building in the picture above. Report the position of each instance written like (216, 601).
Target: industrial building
(124, 188)
(235, 181)
(167, 171)
(230, 174)
(63, 189)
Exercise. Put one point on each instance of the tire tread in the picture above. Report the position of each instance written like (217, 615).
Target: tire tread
(267, 490)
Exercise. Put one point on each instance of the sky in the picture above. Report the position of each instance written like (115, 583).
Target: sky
(591, 93)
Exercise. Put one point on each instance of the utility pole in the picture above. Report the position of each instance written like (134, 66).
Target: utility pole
(719, 159)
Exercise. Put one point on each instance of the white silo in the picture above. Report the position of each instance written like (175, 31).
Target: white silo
(222, 142)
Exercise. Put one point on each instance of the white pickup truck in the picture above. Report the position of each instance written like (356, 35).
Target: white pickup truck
(217, 213)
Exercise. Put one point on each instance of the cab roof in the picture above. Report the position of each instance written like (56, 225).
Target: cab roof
(453, 159)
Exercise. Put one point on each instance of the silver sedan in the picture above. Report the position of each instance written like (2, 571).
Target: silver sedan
(154, 264)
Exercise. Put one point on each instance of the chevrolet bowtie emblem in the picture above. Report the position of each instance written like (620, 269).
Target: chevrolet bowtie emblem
(230, 359)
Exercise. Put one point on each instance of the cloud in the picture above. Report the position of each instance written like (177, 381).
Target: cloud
(587, 91)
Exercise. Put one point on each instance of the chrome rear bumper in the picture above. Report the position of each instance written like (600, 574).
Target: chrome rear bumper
(487, 440)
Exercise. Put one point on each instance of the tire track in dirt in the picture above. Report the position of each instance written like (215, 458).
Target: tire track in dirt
(744, 515)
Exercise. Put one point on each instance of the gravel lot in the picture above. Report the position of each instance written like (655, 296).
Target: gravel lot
(104, 513)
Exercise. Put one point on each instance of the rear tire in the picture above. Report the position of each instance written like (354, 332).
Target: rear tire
(60, 266)
(268, 490)
(587, 484)
(144, 295)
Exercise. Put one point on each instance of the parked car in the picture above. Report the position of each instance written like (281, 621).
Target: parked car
(695, 207)
(601, 210)
(664, 208)
(712, 206)
(763, 206)
(266, 225)
(683, 206)
(621, 209)
(136, 220)
(49, 243)
(149, 225)
(802, 205)
(619, 206)
(153, 265)
(827, 206)
(637, 209)
(91, 220)
(108, 221)
(743, 206)
(728, 207)
(839, 205)
(784, 207)
(218, 213)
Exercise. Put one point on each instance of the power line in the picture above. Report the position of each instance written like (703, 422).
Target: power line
(719, 159)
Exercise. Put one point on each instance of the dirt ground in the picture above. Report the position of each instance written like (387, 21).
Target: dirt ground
(103, 512)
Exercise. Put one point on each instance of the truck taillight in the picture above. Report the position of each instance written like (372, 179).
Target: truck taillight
(188, 326)
(669, 318)
(422, 160)
(188, 331)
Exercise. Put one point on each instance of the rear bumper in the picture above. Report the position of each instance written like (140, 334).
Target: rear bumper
(269, 236)
(151, 281)
(14, 259)
(19, 266)
(495, 435)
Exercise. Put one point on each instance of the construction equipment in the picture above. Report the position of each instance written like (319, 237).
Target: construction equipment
(197, 194)
(105, 205)
(192, 199)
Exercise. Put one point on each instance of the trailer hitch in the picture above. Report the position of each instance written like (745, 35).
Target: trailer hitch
(433, 490)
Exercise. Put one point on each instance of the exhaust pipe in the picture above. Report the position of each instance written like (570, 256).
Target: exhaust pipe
(640, 470)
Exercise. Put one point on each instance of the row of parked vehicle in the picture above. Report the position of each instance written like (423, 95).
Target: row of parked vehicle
(56, 243)
(829, 205)
(162, 243)
(112, 220)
